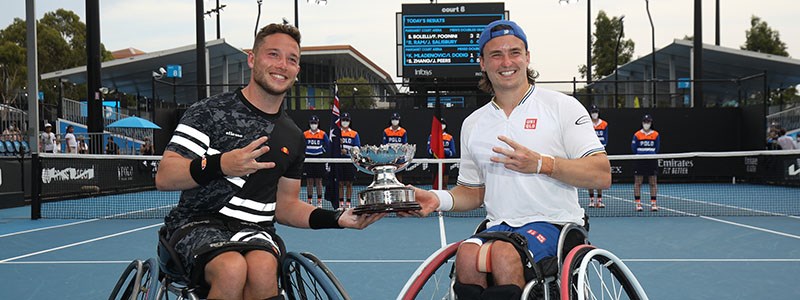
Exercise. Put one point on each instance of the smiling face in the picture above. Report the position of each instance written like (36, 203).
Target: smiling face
(275, 63)
(505, 62)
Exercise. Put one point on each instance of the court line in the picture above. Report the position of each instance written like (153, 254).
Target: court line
(730, 206)
(79, 243)
(717, 220)
(418, 261)
(46, 228)
(84, 221)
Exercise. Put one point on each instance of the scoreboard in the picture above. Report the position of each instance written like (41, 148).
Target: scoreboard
(441, 40)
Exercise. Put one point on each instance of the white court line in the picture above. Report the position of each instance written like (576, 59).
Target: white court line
(418, 261)
(730, 206)
(719, 220)
(712, 260)
(79, 243)
(46, 228)
(84, 221)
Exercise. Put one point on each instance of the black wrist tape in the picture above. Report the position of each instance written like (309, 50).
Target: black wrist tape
(205, 169)
(323, 218)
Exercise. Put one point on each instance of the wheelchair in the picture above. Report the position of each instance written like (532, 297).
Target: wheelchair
(303, 276)
(580, 271)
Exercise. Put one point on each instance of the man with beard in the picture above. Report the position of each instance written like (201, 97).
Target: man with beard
(237, 158)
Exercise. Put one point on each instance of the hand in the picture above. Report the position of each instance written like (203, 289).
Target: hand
(350, 220)
(519, 158)
(426, 199)
(242, 161)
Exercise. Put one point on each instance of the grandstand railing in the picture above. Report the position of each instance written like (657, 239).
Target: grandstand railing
(788, 119)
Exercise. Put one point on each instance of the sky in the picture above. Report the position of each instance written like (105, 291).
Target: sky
(556, 33)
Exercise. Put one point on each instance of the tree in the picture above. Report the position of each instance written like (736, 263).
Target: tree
(761, 38)
(604, 46)
(61, 44)
(360, 98)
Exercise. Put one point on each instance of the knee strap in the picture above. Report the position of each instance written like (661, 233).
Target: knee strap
(485, 257)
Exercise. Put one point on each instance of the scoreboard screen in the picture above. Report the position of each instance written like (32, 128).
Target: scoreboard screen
(441, 40)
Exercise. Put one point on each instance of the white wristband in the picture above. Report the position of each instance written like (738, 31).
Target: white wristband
(445, 200)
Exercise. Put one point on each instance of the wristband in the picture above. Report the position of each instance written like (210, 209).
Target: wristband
(546, 170)
(445, 199)
(323, 218)
(206, 169)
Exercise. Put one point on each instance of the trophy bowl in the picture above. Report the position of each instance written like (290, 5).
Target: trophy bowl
(385, 193)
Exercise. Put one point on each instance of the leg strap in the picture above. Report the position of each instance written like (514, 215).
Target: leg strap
(485, 257)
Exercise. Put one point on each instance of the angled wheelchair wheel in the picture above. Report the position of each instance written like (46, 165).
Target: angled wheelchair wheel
(138, 281)
(591, 273)
(434, 278)
(306, 277)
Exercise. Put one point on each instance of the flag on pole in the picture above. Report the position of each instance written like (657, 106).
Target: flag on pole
(437, 145)
(332, 186)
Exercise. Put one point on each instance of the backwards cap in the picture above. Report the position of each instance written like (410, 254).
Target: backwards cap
(488, 33)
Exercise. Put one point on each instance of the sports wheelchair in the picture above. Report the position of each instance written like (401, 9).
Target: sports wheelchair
(303, 276)
(580, 271)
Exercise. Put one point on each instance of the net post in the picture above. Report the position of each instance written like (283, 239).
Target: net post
(36, 187)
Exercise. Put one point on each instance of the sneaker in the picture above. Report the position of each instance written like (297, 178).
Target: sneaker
(600, 204)
(591, 204)
(653, 207)
(639, 207)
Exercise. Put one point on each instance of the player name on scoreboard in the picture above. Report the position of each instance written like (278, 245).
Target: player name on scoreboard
(450, 40)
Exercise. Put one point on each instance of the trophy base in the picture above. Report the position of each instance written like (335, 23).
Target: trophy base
(386, 208)
(386, 201)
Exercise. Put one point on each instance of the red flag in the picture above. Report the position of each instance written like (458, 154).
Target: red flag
(437, 145)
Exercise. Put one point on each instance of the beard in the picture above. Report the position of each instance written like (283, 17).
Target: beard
(260, 78)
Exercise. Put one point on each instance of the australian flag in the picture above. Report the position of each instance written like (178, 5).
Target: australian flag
(332, 186)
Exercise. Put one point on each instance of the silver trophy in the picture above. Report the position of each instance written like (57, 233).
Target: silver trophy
(386, 193)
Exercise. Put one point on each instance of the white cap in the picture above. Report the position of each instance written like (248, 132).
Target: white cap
(47, 125)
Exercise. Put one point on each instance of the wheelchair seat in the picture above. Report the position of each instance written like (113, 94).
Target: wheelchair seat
(172, 270)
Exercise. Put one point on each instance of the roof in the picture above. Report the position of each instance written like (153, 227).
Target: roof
(134, 74)
(346, 50)
(127, 52)
(718, 63)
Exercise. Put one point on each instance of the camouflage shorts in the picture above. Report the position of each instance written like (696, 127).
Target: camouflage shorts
(199, 240)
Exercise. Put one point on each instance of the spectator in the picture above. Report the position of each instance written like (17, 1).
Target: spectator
(316, 145)
(83, 148)
(111, 146)
(347, 172)
(47, 140)
(645, 141)
(395, 135)
(784, 141)
(772, 139)
(71, 142)
(601, 129)
(147, 148)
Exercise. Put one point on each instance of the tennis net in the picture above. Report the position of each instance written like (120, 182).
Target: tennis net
(757, 183)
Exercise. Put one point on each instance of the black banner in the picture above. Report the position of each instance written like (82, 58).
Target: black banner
(70, 177)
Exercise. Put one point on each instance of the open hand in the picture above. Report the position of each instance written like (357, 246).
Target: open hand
(518, 158)
(242, 161)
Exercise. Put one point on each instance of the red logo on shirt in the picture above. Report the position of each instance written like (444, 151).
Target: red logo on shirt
(530, 123)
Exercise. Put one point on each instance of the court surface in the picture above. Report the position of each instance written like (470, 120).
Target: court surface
(673, 257)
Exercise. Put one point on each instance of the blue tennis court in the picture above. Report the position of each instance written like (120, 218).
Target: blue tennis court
(702, 257)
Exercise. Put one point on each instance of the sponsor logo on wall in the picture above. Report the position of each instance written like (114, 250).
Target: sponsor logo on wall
(125, 173)
(675, 166)
(751, 164)
(67, 174)
(793, 170)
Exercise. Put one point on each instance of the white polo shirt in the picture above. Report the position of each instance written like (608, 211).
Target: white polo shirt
(544, 121)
